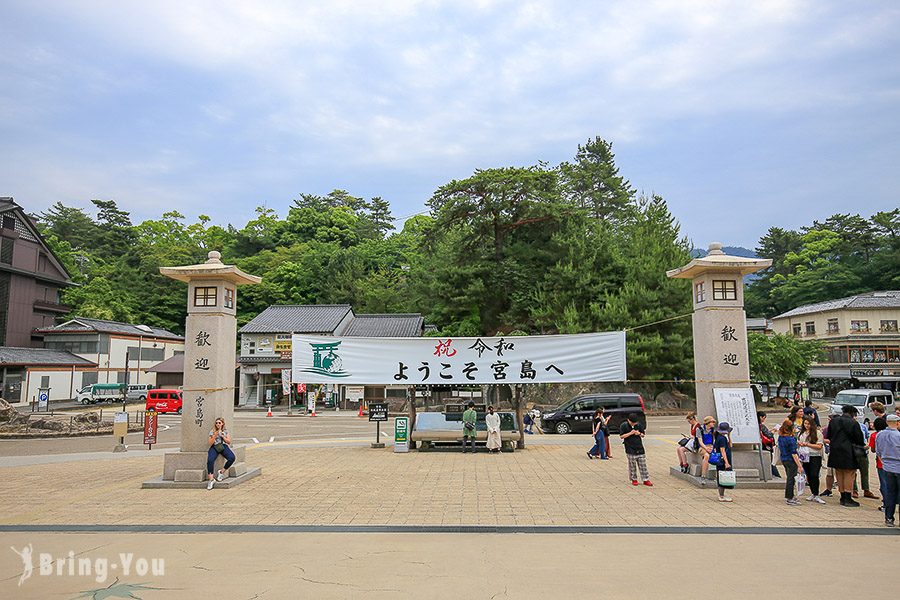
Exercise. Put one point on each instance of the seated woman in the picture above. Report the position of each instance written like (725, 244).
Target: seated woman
(219, 439)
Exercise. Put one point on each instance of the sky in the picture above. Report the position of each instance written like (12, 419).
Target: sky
(742, 115)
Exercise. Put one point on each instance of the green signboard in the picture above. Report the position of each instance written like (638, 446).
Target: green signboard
(401, 434)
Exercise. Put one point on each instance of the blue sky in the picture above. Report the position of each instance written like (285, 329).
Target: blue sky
(742, 115)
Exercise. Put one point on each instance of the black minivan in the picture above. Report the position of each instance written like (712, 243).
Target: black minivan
(575, 416)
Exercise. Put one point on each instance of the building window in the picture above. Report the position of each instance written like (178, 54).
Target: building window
(229, 298)
(6, 251)
(205, 296)
(833, 326)
(795, 328)
(889, 326)
(810, 328)
(9, 223)
(724, 289)
(700, 290)
(859, 326)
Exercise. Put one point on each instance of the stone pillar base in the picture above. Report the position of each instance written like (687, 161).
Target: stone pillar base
(746, 463)
(188, 470)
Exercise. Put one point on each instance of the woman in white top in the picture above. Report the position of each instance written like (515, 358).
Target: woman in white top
(809, 447)
(492, 421)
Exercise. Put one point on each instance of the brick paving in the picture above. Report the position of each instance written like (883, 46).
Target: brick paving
(547, 484)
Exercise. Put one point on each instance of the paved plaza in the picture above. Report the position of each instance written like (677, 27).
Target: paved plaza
(331, 517)
(552, 483)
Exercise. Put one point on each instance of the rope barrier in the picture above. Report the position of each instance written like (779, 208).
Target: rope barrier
(658, 322)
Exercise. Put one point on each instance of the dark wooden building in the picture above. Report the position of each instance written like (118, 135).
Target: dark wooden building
(31, 279)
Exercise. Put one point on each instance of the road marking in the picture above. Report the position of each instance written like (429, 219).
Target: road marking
(271, 439)
(255, 441)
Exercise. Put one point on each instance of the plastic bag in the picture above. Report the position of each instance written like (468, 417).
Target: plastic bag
(801, 483)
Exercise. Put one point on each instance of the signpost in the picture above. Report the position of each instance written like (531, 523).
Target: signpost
(378, 412)
(401, 434)
(43, 398)
(120, 430)
(151, 426)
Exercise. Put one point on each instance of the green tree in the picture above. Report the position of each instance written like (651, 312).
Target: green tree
(781, 359)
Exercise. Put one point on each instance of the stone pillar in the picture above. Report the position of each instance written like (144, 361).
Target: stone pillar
(721, 357)
(209, 362)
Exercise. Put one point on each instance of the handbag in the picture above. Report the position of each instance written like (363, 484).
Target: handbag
(726, 479)
(801, 483)
(220, 447)
(715, 457)
(803, 453)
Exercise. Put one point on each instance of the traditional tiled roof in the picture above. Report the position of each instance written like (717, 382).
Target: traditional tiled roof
(85, 325)
(40, 357)
(399, 325)
(869, 300)
(319, 318)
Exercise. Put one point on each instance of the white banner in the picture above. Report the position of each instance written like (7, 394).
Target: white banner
(736, 407)
(468, 361)
(286, 381)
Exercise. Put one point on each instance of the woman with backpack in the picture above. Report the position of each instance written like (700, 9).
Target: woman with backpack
(722, 447)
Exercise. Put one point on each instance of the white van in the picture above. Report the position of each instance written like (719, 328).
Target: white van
(100, 392)
(862, 400)
(138, 391)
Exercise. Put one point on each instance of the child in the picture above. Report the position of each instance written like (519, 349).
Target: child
(632, 434)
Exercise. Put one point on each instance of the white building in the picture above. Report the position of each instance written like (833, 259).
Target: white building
(121, 352)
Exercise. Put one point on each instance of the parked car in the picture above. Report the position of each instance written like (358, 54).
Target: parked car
(100, 392)
(164, 401)
(138, 391)
(862, 400)
(575, 416)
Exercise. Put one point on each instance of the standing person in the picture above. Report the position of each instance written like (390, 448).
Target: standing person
(796, 417)
(599, 432)
(219, 440)
(810, 411)
(767, 439)
(829, 478)
(844, 434)
(862, 460)
(887, 446)
(469, 419)
(492, 422)
(879, 425)
(810, 440)
(529, 422)
(787, 447)
(722, 445)
(632, 434)
(705, 438)
(690, 445)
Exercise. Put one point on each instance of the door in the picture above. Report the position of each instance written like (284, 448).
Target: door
(611, 409)
(582, 412)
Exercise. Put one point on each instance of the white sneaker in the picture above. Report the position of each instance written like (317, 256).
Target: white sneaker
(811, 499)
(221, 475)
(725, 499)
(210, 485)
(792, 502)
(819, 500)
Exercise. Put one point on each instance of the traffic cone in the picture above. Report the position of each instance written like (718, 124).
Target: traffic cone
(269, 414)
(360, 410)
(314, 411)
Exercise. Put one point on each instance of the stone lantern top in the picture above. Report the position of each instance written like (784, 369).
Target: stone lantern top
(716, 261)
(211, 269)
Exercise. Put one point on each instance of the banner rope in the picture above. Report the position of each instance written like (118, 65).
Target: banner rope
(658, 322)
